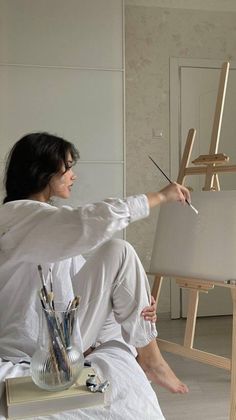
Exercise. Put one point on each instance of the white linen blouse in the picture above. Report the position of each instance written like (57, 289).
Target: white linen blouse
(33, 233)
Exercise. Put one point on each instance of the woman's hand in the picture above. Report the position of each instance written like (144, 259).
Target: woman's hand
(172, 192)
(149, 313)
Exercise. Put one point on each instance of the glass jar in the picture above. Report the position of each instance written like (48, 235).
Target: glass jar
(58, 360)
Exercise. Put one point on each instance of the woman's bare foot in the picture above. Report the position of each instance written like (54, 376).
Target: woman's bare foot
(158, 370)
(163, 375)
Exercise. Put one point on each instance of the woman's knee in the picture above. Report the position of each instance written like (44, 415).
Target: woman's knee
(117, 246)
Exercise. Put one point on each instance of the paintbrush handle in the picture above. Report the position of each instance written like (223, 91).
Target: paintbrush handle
(168, 179)
(163, 173)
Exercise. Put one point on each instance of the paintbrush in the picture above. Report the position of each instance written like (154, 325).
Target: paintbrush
(45, 293)
(51, 289)
(168, 179)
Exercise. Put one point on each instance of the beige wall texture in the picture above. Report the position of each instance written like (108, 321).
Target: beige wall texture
(153, 35)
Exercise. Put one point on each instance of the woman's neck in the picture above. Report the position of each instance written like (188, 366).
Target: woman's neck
(42, 196)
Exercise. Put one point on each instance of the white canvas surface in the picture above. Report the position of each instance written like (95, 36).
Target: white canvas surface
(199, 246)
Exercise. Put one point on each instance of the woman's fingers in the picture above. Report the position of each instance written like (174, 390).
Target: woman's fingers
(149, 312)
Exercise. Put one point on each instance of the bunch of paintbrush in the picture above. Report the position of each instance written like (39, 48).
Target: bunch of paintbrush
(60, 326)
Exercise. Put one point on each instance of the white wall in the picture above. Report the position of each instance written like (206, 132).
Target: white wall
(62, 71)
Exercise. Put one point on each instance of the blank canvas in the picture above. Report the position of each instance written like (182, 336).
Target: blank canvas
(197, 246)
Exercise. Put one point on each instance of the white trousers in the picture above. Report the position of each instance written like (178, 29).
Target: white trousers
(114, 290)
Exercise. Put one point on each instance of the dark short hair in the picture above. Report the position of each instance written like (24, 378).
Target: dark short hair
(32, 162)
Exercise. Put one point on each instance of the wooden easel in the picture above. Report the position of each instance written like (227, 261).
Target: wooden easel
(210, 165)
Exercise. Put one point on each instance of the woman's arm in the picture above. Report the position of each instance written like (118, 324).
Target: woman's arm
(46, 233)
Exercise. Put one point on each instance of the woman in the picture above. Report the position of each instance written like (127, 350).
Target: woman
(112, 283)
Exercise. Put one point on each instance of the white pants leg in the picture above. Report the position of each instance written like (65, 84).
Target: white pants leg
(113, 279)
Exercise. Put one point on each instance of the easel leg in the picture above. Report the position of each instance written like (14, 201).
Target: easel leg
(233, 361)
(193, 299)
(156, 288)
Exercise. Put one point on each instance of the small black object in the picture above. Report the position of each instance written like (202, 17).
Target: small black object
(91, 381)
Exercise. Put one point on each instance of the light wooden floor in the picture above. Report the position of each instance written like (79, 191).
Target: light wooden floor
(208, 398)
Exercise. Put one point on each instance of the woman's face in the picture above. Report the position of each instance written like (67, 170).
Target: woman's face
(61, 183)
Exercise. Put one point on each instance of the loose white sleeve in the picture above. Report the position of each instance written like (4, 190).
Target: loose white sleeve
(47, 233)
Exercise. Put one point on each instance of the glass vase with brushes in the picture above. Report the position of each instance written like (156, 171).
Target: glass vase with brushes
(58, 360)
